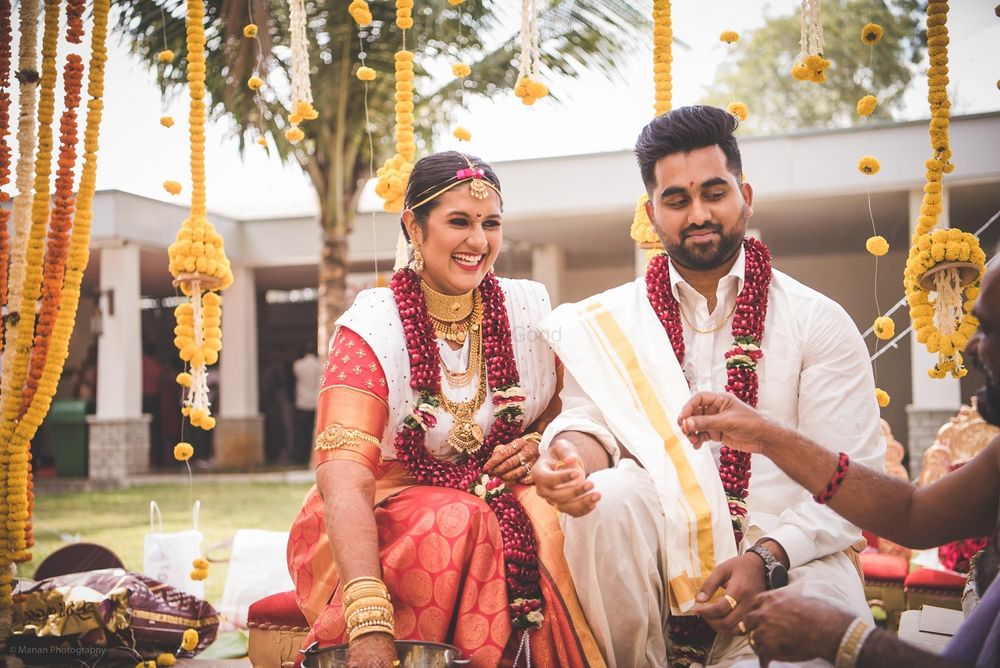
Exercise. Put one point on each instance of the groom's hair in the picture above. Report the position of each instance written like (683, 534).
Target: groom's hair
(683, 130)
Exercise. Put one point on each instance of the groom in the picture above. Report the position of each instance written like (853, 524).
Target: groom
(717, 312)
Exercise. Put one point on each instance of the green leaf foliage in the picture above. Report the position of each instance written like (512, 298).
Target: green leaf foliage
(759, 72)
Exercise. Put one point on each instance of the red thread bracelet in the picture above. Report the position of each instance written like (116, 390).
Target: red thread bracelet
(836, 481)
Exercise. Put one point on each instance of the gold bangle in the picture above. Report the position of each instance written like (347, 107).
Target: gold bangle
(359, 593)
(371, 628)
(367, 604)
(363, 586)
(363, 617)
(532, 437)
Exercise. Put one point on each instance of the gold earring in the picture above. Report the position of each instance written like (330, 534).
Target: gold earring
(417, 263)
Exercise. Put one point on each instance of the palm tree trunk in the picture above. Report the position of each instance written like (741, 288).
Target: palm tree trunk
(332, 298)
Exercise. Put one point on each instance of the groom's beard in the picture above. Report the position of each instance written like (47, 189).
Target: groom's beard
(988, 396)
(709, 258)
(988, 401)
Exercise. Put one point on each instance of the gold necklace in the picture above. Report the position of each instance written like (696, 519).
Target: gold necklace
(465, 435)
(706, 331)
(459, 379)
(452, 315)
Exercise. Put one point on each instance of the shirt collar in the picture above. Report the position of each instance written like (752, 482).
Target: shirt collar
(738, 271)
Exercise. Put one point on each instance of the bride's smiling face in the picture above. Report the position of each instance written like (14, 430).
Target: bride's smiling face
(459, 240)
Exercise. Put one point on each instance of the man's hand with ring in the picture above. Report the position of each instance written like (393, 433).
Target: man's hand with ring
(561, 479)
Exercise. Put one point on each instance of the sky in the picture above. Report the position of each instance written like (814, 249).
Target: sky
(592, 115)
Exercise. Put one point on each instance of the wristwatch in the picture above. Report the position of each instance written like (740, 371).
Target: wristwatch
(775, 573)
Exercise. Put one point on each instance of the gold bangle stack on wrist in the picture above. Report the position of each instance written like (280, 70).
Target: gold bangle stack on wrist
(851, 643)
(367, 608)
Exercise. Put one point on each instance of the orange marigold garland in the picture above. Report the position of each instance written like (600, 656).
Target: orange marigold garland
(59, 227)
(198, 261)
(642, 231)
(74, 20)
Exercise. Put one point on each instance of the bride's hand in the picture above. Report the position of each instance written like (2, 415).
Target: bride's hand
(512, 462)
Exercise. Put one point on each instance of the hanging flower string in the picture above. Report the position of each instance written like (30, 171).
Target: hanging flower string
(884, 327)
(691, 636)
(529, 86)
(394, 174)
(736, 108)
(5, 152)
(255, 83)
(14, 466)
(520, 549)
(642, 231)
(809, 64)
(460, 70)
(941, 261)
(19, 472)
(302, 99)
(198, 260)
(59, 227)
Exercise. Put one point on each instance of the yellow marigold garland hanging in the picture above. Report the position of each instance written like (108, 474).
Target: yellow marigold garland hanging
(394, 174)
(642, 231)
(198, 260)
(460, 70)
(942, 262)
(14, 471)
(15, 492)
(16, 449)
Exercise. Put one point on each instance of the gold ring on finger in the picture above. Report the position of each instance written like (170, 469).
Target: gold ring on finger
(520, 458)
(741, 627)
(752, 640)
(731, 601)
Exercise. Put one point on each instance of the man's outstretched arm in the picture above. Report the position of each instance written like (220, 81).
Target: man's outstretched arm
(958, 506)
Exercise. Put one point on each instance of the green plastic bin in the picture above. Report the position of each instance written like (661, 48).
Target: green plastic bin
(67, 427)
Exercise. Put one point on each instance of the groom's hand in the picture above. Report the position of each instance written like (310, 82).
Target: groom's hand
(741, 579)
(561, 479)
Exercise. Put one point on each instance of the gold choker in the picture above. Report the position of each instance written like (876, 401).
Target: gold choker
(447, 308)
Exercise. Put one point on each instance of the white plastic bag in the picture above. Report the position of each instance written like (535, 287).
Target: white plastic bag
(168, 557)
(258, 567)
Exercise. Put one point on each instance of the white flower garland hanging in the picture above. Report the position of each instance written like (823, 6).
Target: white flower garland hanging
(302, 99)
(810, 65)
(528, 87)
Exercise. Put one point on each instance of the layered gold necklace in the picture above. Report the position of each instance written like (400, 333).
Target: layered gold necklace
(455, 318)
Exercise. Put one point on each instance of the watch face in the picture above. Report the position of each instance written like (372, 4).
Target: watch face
(777, 577)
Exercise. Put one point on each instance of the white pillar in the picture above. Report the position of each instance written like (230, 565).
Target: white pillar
(934, 400)
(238, 362)
(119, 351)
(119, 433)
(548, 266)
(239, 433)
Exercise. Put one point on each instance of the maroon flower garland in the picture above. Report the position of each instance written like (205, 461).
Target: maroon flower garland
(691, 635)
(520, 549)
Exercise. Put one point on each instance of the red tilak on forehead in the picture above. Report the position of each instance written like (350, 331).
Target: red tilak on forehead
(691, 184)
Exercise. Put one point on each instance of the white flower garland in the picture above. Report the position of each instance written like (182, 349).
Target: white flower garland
(26, 138)
(301, 88)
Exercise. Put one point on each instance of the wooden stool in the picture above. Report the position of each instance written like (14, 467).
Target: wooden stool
(277, 630)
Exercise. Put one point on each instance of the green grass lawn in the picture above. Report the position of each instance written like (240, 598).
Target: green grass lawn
(119, 519)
